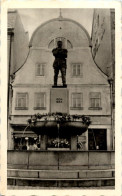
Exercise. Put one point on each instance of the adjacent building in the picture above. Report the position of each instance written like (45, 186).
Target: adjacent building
(17, 44)
(103, 49)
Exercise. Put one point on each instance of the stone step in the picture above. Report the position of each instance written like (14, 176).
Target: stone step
(61, 174)
(46, 182)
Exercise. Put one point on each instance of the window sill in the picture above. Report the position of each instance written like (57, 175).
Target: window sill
(39, 108)
(81, 76)
(76, 108)
(40, 75)
(95, 108)
(21, 108)
(58, 149)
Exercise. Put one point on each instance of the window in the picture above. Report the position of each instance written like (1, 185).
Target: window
(26, 142)
(22, 101)
(97, 139)
(69, 45)
(59, 142)
(77, 70)
(95, 100)
(39, 101)
(65, 43)
(77, 100)
(40, 69)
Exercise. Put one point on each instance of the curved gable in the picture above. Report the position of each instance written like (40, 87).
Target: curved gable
(60, 27)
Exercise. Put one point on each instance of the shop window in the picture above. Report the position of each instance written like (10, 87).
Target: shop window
(59, 142)
(40, 69)
(81, 140)
(77, 70)
(76, 101)
(21, 101)
(26, 143)
(95, 100)
(97, 139)
(40, 101)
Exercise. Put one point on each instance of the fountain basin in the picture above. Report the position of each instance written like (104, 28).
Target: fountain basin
(50, 127)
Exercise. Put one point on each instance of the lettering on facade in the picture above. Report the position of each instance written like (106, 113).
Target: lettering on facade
(59, 100)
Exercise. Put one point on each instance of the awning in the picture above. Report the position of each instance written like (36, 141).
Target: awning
(20, 134)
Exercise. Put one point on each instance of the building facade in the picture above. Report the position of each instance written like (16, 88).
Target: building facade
(87, 93)
(103, 50)
(17, 45)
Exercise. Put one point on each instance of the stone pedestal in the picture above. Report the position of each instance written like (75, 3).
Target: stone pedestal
(59, 100)
(74, 142)
(43, 142)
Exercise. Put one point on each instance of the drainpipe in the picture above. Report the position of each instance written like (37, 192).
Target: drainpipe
(9, 87)
(9, 68)
(112, 115)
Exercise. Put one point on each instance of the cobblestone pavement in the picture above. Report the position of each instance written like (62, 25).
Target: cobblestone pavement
(30, 187)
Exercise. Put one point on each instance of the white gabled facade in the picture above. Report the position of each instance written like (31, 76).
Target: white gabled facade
(88, 91)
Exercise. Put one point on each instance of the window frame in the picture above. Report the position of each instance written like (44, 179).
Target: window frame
(35, 101)
(21, 107)
(66, 43)
(76, 107)
(76, 75)
(94, 98)
(36, 68)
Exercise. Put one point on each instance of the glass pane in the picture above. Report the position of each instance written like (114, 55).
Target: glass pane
(40, 100)
(97, 103)
(21, 100)
(74, 103)
(74, 70)
(51, 45)
(38, 70)
(42, 70)
(78, 70)
(42, 103)
(92, 102)
(78, 102)
(69, 45)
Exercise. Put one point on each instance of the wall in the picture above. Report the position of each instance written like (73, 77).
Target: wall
(64, 160)
(91, 81)
(105, 104)
(60, 27)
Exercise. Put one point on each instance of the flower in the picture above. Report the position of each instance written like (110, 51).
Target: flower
(60, 117)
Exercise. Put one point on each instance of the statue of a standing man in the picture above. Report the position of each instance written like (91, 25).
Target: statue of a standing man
(60, 55)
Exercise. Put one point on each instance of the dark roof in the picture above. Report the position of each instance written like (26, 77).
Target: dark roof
(12, 18)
